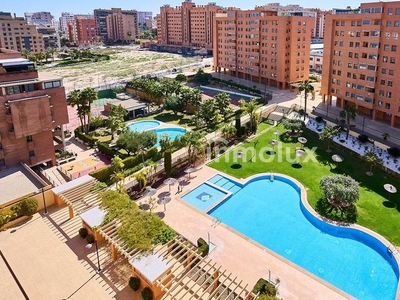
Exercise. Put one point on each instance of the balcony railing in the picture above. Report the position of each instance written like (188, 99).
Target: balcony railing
(16, 76)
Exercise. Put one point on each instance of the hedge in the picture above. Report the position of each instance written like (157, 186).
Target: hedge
(106, 149)
(91, 141)
(237, 85)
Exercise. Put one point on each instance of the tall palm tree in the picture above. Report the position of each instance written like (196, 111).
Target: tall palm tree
(349, 113)
(193, 141)
(25, 53)
(53, 51)
(74, 99)
(88, 95)
(118, 178)
(250, 108)
(307, 87)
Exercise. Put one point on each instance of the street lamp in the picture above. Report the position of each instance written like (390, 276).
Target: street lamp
(44, 202)
(88, 246)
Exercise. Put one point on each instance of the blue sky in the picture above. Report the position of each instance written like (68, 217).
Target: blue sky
(87, 6)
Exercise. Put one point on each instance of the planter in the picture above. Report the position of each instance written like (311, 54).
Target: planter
(15, 221)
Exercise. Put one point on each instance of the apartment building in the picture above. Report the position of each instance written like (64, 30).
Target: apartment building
(39, 18)
(143, 16)
(66, 18)
(260, 46)
(51, 38)
(34, 111)
(361, 60)
(82, 31)
(185, 27)
(116, 24)
(17, 34)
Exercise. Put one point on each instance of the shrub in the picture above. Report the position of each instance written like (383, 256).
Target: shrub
(394, 151)
(106, 149)
(168, 162)
(147, 294)
(264, 288)
(202, 247)
(25, 207)
(165, 235)
(363, 138)
(91, 141)
(4, 219)
(134, 283)
(90, 239)
(319, 119)
(83, 232)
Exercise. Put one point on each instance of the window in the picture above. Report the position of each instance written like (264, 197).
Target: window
(392, 60)
(2, 162)
(380, 103)
(390, 11)
(388, 23)
(29, 138)
(390, 83)
(383, 70)
(389, 95)
(397, 11)
(394, 48)
(385, 59)
(391, 72)
(381, 93)
(52, 84)
(383, 81)
(386, 47)
(31, 153)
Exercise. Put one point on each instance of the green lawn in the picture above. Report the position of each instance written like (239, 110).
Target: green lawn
(373, 209)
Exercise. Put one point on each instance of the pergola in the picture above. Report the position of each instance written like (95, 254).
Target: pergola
(185, 273)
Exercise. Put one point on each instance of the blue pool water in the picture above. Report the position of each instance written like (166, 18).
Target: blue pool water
(271, 213)
(172, 132)
(204, 196)
(143, 125)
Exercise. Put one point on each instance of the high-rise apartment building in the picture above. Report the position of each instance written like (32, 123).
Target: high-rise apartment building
(51, 38)
(116, 24)
(361, 60)
(39, 18)
(181, 28)
(33, 112)
(142, 17)
(16, 34)
(82, 31)
(65, 18)
(260, 46)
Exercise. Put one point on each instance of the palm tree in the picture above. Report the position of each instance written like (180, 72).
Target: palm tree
(118, 178)
(228, 130)
(373, 160)
(53, 51)
(222, 102)
(328, 134)
(88, 95)
(74, 99)
(40, 56)
(250, 108)
(141, 178)
(193, 141)
(26, 53)
(152, 168)
(115, 120)
(349, 113)
(307, 87)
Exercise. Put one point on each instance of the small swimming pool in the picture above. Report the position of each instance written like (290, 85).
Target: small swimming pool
(172, 132)
(143, 125)
(272, 214)
(204, 196)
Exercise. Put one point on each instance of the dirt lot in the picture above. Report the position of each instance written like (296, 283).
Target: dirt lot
(123, 64)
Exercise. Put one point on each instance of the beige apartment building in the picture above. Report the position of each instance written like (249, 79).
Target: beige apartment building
(260, 46)
(16, 34)
(361, 60)
(186, 28)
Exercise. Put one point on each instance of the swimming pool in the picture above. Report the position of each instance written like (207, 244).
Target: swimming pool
(272, 214)
(204, 196)
(143, 125)
(172, 132)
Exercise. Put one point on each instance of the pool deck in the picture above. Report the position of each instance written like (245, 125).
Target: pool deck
(243, 257)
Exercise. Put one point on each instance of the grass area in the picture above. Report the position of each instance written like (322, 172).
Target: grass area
(374, 211)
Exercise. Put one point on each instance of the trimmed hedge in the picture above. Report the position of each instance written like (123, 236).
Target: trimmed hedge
(91, 141)
(202, 247)
(265, 288)
(83, 232)
(237, 85)
(147, 294)
(106, 149)
(26, 207)
(134, 283)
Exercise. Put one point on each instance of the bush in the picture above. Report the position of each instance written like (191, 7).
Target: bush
(363, 138)
(165, 235)
(319, 119)
(147, 294)
(91, 141)
(90, 239)
(25, 207)
(134, 283)
(202, 247)
(168, 162)
(394, 151)
(4, 218)
(83, 232)
(264, 288)
(106, 149)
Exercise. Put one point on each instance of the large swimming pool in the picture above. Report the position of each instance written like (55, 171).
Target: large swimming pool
(143, 125)
(172, 132)
(271, 213)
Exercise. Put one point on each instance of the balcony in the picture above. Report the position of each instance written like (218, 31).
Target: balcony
(33, 160)
(17, 76)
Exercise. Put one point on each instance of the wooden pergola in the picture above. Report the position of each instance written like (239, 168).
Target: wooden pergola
(189, 276)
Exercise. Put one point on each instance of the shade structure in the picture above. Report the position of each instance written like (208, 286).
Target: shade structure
(337, 158)
(164, 200)
(150, 192)
(273, 142)
(299, 152)
(190, 170)
(302, 140)
(390, 188)
(277, 132)
(170, 181)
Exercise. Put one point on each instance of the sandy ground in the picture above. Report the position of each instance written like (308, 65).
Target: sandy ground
(124, 63)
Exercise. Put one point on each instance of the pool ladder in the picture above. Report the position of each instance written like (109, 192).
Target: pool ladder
(393, 250)
(215, 222)
(271, 178)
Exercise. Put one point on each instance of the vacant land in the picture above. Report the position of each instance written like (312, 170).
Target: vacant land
(123, 64)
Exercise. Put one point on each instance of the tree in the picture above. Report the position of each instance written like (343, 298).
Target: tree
(202, 78)
(222, 102)
(174, 103)
(118, 178)
(26, 53)
(372, 159)
(294, 125)
(328, 134)
(52, 51)
(88, 96)
(341, 191)
(207, 110)
(349, 113)
(228, 130)
(40, 56)
(250, 108)
(83, 100)
(180, 77)
(134, 142)
(117, 164)
(141, 178)
(115, 120)
(307, 87)
(193, 141)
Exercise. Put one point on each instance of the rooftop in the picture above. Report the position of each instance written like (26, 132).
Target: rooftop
(151, 266)
(17, 182)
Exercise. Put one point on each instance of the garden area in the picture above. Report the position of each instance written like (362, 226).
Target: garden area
(373, 209)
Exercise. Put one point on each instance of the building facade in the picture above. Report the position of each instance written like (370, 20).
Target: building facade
(143, 16)
(17, 34)
(361, 63)
(65, 18)
(39, 18)
(185, 27)
(82, 31)
(116, 24)
(263, 47)
(51, 38)
(34, 111)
